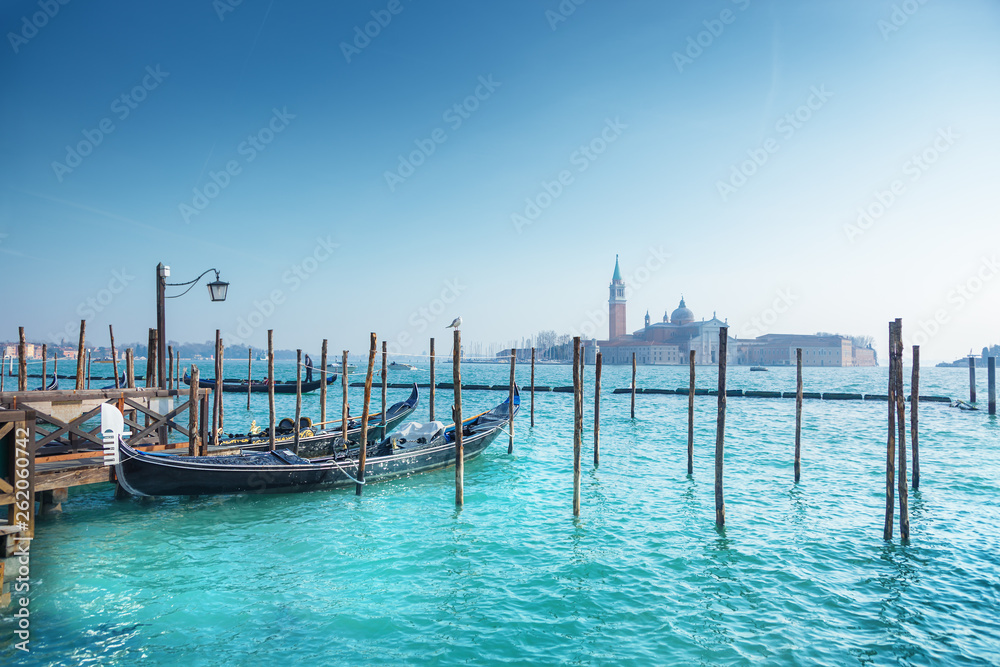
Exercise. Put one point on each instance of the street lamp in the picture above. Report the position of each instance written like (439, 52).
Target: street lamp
(216, 290)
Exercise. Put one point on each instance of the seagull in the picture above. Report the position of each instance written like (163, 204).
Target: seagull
(456, 323)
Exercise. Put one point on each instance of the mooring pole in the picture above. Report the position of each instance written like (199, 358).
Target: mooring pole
(270, 389)
(217, 394)
(81, 353)
(597, 411)
(691, 413)
(384, 380)
(798, 414)
(456, 414)
(298, 398)
(432, 382)
(130, 368)
(972, 379)
(991, 380)
(249, 374)
(914, 402)
(45, 361)
(577, 424)
(532, 387)
(363, 451)
(510, 402)
(904, 508)
(114, 356)
(90, 358)
(22, 363)
(222, 373)
(344, 408)
(720, 429)
(890, 450)
(193, 440)
(170, 370)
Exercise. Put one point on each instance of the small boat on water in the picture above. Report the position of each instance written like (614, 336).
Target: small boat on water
(280, 387)
(51, 386)
(757, 368)
(336, 367)
(429, 447)
(397, 366)
(327, 438)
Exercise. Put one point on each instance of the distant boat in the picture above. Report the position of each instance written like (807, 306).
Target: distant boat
(52, 386)
(757, 368)
(396, 366)
(286, 387)
(336, 367)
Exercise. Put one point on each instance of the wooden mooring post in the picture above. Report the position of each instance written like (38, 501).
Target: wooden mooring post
(633, 386)
(362, 452)
(194, 446)
(532, 387)
(720, 429)
(170, 368)
(81, 353)
(991, 384)
(510, 402)
(45, 361)
(249, 374)
(456, 416)
(270, 389)
(298, 398)
(130, 368)
(217, 392)
(150, 378)
(798, 414)
(90, 359)
(890, 450)
(114, 357)
(221, 380)
(344, 408)
(597, 410)
(904, 509)
(972, 379)
(3, 370)
(384, 382)
(914, 402)
(691, 412)
(577, 424)
(432, 382)
(322, 383)
(22, 363)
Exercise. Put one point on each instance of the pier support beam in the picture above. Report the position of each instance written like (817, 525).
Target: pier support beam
(52, 500)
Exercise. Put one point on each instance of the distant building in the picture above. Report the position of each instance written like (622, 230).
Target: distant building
(818, 350)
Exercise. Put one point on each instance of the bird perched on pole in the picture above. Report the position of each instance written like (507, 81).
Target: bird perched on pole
(456, 323)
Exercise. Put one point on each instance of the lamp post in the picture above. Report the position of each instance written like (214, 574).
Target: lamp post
(217, 291)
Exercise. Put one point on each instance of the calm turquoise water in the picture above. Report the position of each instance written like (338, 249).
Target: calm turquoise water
(398, 576)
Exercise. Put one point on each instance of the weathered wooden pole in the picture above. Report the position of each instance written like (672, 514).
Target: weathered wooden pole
(904, 508)
(362, 452)
(432, 382)
(720, 429)
(22, 363)
(344, 409)
(249, 374)
(90, 359)
(177, 374)
(577, 424)
(3, 368)
(170, 369)
(597, 411)
(633, 385)
(456, 415)
(322, 384)
(150, 378)
(384, 380)
(217, 393)
(130, 368)
(81, 353)
(114, 357)
(991, 384)
(55, 365)
(691, 413)
(222, 379)
(890, 450)
(298, 398)
(45, 361)
(510, 402)
(194, 444)
(270, 389)
(532, 387)
(972, 379)
(798, 414)
(914, 402)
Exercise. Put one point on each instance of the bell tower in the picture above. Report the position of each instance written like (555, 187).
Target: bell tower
(616, 305)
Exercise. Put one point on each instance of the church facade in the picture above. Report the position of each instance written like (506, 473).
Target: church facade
(667, 342)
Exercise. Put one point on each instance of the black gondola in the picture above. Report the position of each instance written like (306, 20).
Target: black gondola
(326, 440)
(52, 386)
(282, 387)
(143, 474)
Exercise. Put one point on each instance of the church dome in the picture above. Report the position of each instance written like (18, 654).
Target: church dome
(682, 315)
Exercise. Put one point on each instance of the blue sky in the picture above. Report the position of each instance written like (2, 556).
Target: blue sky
(248, 141)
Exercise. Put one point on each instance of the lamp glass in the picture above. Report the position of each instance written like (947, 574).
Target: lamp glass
(217, 290)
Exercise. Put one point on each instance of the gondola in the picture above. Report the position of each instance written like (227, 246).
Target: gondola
(324, 441)
(283, 387)
(281, 471)
(52, 386)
